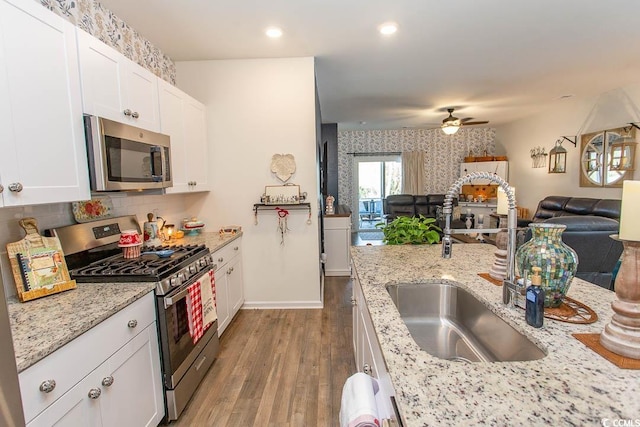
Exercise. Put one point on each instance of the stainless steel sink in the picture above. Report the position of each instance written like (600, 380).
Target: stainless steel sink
(448, 322)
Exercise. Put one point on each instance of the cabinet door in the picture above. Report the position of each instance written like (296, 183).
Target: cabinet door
(222, 298)
(132, 386)
(172, 124)
(101, 71)
(184, 119)
(41, 130)
(142, 97)
(75, 407)
(337, 239)
(235, 285)
(195, 133)
(115, 87)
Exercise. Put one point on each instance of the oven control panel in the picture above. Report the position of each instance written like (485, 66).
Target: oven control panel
(186, 274)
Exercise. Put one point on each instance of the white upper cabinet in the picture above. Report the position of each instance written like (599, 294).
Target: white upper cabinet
(500, 168)
(43, 155)
(184, 120)
(115, 87)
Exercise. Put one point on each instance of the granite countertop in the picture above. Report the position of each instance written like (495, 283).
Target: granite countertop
(39, 327)
(572, 385)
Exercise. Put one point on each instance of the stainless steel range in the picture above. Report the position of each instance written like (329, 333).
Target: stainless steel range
(93, 256)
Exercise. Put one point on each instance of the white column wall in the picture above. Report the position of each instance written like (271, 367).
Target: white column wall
(257, 108)
(567, 117)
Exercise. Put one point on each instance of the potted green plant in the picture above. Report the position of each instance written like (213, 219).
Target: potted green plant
(410, 230)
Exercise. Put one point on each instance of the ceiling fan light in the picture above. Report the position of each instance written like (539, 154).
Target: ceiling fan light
(450, 129)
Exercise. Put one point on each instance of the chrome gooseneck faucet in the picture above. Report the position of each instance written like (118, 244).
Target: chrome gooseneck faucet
(509, 283)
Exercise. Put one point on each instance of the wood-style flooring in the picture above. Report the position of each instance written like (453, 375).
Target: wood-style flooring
(279, 367)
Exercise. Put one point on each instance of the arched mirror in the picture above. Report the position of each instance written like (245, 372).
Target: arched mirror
(600, 157)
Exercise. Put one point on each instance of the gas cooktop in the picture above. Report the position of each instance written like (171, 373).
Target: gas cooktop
(152, 265)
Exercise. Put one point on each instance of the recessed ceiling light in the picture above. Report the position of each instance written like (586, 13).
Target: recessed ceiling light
(388, 28)
(273, 32)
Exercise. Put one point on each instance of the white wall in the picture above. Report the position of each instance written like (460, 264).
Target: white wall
(255, 109)
(572, 116)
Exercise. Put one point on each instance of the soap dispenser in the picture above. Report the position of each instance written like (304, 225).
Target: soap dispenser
(534, 311)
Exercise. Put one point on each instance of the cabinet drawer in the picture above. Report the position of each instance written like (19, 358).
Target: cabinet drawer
(75, 360)
(227, 252)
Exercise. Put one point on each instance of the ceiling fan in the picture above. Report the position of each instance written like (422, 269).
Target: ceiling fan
(451, 124)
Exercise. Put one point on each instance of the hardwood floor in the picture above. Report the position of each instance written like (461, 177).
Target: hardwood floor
(279, 367)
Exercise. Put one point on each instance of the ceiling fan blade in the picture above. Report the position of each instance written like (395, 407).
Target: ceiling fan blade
(475, 123)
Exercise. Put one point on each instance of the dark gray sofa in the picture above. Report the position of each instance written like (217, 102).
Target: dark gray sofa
(589, 223)
(410, 205)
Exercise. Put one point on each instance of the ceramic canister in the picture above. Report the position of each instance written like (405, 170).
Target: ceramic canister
(151, 235)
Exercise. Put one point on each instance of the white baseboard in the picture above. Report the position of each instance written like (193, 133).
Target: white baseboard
(271, 305)
(331, 273)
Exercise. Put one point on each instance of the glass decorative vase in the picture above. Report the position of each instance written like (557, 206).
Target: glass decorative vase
(558, 261)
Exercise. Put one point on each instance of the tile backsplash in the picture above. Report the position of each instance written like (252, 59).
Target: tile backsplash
(172, 207)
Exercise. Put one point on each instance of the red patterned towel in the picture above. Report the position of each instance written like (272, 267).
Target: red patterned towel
(201, 306)
(194, 310)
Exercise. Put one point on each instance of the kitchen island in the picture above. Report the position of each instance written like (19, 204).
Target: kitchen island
(572, 385)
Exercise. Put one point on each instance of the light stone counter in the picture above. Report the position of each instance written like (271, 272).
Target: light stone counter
(39, 327)
(572, 385)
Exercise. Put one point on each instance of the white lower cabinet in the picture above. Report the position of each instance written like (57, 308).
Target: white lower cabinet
(337, 243)
(109, 376)
(368, 355)
(229, 282)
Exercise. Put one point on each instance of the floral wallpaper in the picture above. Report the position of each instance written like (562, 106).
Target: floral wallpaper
(92, 17)
(443, 153)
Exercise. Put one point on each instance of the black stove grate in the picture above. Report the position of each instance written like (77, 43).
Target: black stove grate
(147, 267)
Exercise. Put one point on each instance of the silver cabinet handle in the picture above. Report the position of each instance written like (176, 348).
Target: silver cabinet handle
(366, 369)
(107, 381)
(135, 115)
(15, 187)
(230, 270)
(235, 248)
(127, 112)
(220, 259)
(1, 188)
(94, 393)
(132, 323)
(47, 386)
(353, 301)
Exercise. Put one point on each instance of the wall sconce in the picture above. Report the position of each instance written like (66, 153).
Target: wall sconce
(538, 157)
(558, 158)
(622, 152)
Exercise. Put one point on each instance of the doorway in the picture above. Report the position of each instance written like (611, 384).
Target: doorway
(376, 177)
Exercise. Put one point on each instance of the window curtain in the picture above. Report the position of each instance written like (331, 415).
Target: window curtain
(413, 181)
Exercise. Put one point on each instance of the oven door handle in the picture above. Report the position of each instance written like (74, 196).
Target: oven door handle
(169, 301)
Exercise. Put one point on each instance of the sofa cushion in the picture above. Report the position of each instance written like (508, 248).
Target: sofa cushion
(554, 206)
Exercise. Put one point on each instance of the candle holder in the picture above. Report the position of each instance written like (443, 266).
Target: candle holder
(622, 334)
(168, 231)
(498, 270)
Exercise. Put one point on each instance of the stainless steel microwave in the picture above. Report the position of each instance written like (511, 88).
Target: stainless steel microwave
(123, 157)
